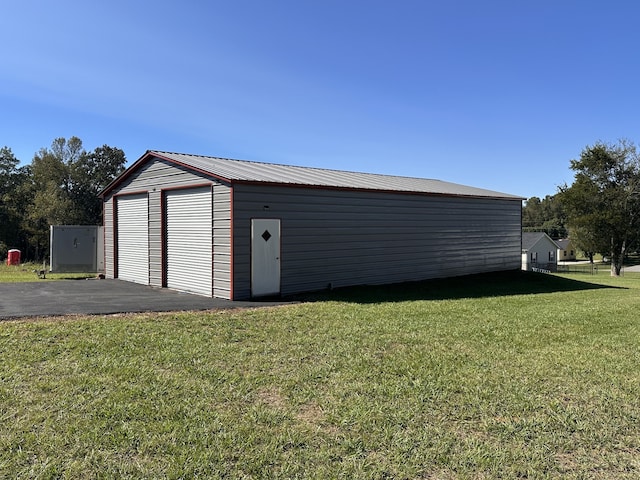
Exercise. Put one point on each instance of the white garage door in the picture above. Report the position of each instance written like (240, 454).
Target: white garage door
(133, 238)
(189, 240)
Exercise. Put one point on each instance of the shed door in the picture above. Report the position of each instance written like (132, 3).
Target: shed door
(133, 238)
(189, 240)
(265, 257)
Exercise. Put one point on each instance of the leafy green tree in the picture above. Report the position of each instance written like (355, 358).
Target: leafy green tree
(90, 174)
(11, 203)
(65, 183)
(51, 187)
(546, 215)
(8, 169)
(585, 239)
(8, 172)
(603, 203)
(532, 213)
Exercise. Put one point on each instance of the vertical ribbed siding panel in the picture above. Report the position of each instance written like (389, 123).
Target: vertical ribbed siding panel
(222, 241)
(158, 174)
(189, 240)
(155, 238)
(100, 249)
(340, 238)
(109, 243)
(132, 238)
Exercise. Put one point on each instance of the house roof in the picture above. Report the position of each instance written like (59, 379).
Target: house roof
(563, 243)
(243, 171)
(529, 239)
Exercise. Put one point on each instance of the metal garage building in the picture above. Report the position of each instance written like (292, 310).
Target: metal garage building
(237, 229)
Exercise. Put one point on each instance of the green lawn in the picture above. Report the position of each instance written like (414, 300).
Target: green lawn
(27, 272)
(492, 376)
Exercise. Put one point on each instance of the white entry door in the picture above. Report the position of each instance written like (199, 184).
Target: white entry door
(265, 257)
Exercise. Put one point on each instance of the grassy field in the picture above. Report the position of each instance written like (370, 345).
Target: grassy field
(26, 272)
(493, 376)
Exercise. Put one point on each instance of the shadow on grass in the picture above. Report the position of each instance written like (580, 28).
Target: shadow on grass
(495, 284)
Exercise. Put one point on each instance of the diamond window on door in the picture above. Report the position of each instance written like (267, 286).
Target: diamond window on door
(266, 235)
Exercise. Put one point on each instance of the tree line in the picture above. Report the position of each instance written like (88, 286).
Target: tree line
(60, 186)
(600, 210)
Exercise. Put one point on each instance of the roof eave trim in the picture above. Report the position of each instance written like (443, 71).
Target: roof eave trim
(378, 190)
(148, 155)
(124, 175)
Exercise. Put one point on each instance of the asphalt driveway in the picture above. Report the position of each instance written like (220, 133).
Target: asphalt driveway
(102, 297)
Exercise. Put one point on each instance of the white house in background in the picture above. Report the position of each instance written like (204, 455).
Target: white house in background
(539, 251)
(565, 250)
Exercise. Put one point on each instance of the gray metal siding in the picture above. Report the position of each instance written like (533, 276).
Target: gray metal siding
(340, 238)
(153, 177)
(76, 248)
(155, 238)
(109, 240)
(221, 241)
(157, 174)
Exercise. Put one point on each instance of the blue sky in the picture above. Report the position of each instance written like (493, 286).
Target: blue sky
(495, 94)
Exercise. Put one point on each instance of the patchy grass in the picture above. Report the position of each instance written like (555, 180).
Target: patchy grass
(27, 272)
(505, 376)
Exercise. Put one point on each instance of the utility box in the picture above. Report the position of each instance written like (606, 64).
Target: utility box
(13, 257)
(77, 248)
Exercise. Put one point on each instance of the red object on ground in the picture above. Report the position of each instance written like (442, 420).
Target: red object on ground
(13, 257)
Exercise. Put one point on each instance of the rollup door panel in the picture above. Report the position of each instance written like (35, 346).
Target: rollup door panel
(133, 238)
(189, 240)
